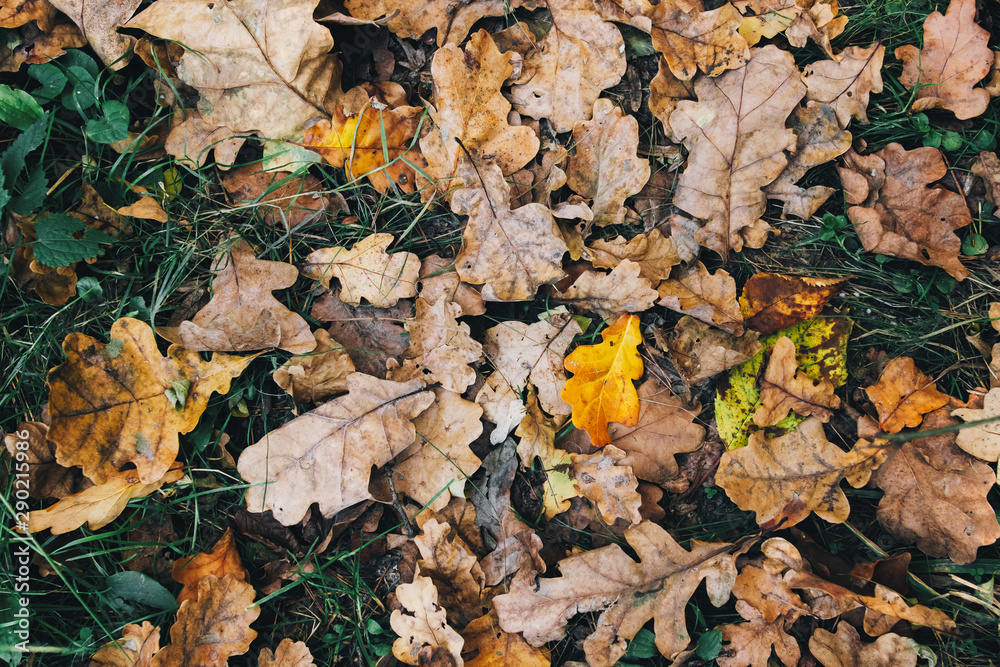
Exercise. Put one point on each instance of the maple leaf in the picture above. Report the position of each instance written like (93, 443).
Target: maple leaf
(243, 315)
(511, 252)
(700, 351)
(283, 200)
(99, 22)
(845, 649)
(425, 624)
(609, 295)
(739, 150)
(846, 81)
(119, 390)
(46, 478)
(326, 455)
(655, 254)
(318, 375)
(981, 441)
(896, 213)
(371, 335)
(705, 296)
(785, 388)
(223, 559)
(288, 654)
(605, 167)
(771, 301)
(441, 348)
(626, 592)
(903, 395)
(749, 644)
(498, 648)
(691, 39)
(366, 271)
(601, 388)
(135, 649)
(954, 58)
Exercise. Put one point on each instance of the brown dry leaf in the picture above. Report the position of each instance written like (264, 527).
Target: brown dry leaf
(665, 91)
(33, 47)
(626, 592)
(762, 588)
(819, 139)
(191, 141)
(736, 138)
(846, 81)
(145, 208)
(785, 478)
(467, 107)
(700, 351)
(46, 478)
(288, 654)
(440, 280)
(135, 649)
(511, 252)
(749, 644)
(819, 22)
(785, 388)
(446, 561)
(537, 433)
(954, 58)
(497, 648)
(318, 375)
(708, 297)
(223, 559)
(935, 495)
(441, 348)
(987, 167)
(903, 395)
(411, 20)
(425, 624)
(605, 167)
(325, 456)
(845, 649)
(690, 39)
(609, 295)
(664, 430)
(99, 505)
(366, 271)
(564, 75)
(896, 213)
(243, 315)
(99, 23)
(282, 199)
(119, 391)
(15, 14)
(771, 301)
(371, 335)
(981, 441)
(212, 627)
(605, 479)
(655, 254)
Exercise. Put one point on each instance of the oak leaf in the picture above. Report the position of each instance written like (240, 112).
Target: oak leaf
(896, 213)
(16, 14)
(455, 573)
(700, 351)
(243, 315)
(441, 348)
(771, 301)
(282, 199)
(987, 167)
(819, 22)
(655, 254)
(221, 560)
(192, 140)
(628, 593)
(424, 624)
(761, 587)
(511, 252)
(690, 39)
(537, 433)
(846, 81)
(288, 654)
(34, 49)
(440, 280)
(453, 20)
(749, 644)
(609, 295)
(736, 138)
(845, 649)
(326, 455)
(99, 23)
(608, 482)
(318, 375)
(981, 441)
(785, 388)
(954, 58)
(498, 648)
(903, 395)
(135, 649)
(605, 167)
(371, 335)
(935, 495)
(601, 389)
(709, 297)
(366, 271)
(46, 478)
(768, 18)
(120, 391)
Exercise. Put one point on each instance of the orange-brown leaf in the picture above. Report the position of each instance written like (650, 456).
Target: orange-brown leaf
(223, 559)
(498, 648)
(903, 395)
(786, 388)
(135, 649)
(771, 301)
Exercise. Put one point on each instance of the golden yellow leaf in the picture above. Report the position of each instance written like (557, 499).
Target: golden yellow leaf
(135, 649)
(498, 648)
(903, 395)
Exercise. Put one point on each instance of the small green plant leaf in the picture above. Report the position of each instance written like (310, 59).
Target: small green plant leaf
(17, 108)
(127, 588)
(642, 646)
(974, 245)
(951, 141)
(89, 289)
(709, 645)
(52, 80)
(32, 195)
(57, 245)
(82, 92)
(13, 159)
(177, 393)
(112, 126)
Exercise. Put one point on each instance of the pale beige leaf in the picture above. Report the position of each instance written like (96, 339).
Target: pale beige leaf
(609, 295)
(423, 624)
(690, 39)
(785, 388)
(318, 375)
(655, 254)
(819, 22)
(288, 654)
(846, 81)
(411, 20)
(440, 280)
(607, 480)
(845, 649)
(983, 441)
(749, 644)
(440, 347)
(99, 23)
(366, 271)
(704, 296)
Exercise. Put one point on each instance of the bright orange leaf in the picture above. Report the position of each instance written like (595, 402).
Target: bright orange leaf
(601, 388)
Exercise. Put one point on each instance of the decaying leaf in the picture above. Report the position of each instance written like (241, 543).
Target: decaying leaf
(981, 441)
(608, 481)
(46, 478)
(440, 280)
(819, 22)
(749, 644)
(987, 167)
(700, 351)
(845, 649)
(135, 649)
(846, 81)
(325, 456)
(371, 335)
(120, 391)
(771, 301)
(954, 58)
(99, 23)
(411, 20)
(281, 199)
(498, 648)
(446, 561)
(366, 271)
(317, 375)
(609, 295)
(441, 348)
(288, 654)
(785, 388)
(537, 433)
(221, 560)
(690, 39)
(903, 395)
(424, 624)
(655, 254)
(709, 297)
(763, 19)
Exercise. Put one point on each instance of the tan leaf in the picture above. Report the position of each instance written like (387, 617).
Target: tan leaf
(655, 254)
(845, 649)
(30, 445)
(819, 140)
(192, 140)
(607, 480)
(846, 81)
(537, 433)
(626, 592)
(16, 14)
(935, 495)
(785, 388)
(243, 315)
(700, 351)
(982, 441)
(785, 478)
(763, 589)
(896, 213)
(282, 199)
(987, 167)
(665, 91)
(371, 335)
(212, 627)
(134, 649)
(468, 108)
(605, 167)
(665, 429)
(819, 22)
(772, 301)
(242, 68)
(497, 648)
(146, 208)
(223, 559)
(578, 58)
(425, 623)
(511, 252)
(440, 280)
(456, 575)
(411, 20)
(35, 49)
(749, 644)
(99, 22)
(609, 295)
(690, 39)
(440, 348)
(954, 58)
(119, 390)
(708, 297)
(366, 271)
(736, 137)
(289, 654)
(318, 375)
(325, 456)
(903, 395)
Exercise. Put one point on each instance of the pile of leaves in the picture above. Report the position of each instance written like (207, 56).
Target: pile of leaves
(472, 447)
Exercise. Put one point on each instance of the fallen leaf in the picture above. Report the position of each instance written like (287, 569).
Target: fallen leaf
(440, 280)
(601, 389)
(119, 390)
(212, 627)
(700, 351)
(954, 58)
(819, 22)
(145, 208)
(243, 315)
(366, 271)
(425, 624)
(371, 335)
(771, 301)
(655, 254)
(628, 593)
(411, 20)
(192, 140)
(537, 433)
(607, 480)
(222, 560)
(446, 561)
(30, 445)
(785, 389)
(441, 348)
(982, 441)
(846, 81)
(497, 648)
(705, 296)
(326, 455)
(903, 395)
(99, 22)
(690, 39)
(896, 213)
(749, 644)
(845, 649)
(736, 137)
(288, 654)
(769, 18)
(605, 167)
(318, 375)
(511, 252)
(135, 649)
(16, 14)
(665, 91)
(935, 495)
(282, 199)
(763, 589)
(609, 295)
(34, 48)
(987, 167)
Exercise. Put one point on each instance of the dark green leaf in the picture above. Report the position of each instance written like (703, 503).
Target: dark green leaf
(127, 588)
(974, 245)
(52, 79)
(642, 646)
(13, 159)
(17, 108)
(32, 195)
(90, 290)
(112, 126)
(56, 245)
(82, 92)
(709, 645)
